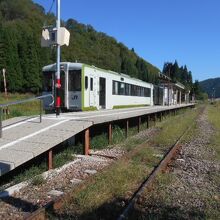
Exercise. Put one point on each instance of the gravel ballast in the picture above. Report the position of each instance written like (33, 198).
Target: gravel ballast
(190, 191)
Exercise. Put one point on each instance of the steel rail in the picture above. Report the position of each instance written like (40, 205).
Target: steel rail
(2, 106)
(58, 202)
(151, 178)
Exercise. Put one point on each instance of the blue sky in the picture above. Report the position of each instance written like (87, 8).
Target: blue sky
(158, 30)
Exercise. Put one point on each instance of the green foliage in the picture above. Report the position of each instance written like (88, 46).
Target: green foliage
(118, 134)
(200, 95)
(183, 75)
(214, 119)
(29, 173)
(211, 87)
(99, 141)
(180, 74)
(38, 180)
(64, 156)
(20, 52)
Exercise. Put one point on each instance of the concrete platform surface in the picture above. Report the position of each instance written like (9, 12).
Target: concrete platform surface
(25, 138)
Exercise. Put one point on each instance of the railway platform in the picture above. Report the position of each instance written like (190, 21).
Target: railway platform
(24, 138)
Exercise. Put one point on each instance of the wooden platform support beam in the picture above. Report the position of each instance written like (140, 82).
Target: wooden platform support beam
(148, 121)
(50, 159)
(126, 128)
(155, 118)
(139, 124)
(110, 133)
(87, 142)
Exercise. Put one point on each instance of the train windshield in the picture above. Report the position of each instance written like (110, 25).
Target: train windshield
(48, 82)
(75, 80)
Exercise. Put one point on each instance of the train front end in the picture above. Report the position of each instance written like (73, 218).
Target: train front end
(70, 93)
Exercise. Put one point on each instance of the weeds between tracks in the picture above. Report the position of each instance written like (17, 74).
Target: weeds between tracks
(106, 194)
(191, 190)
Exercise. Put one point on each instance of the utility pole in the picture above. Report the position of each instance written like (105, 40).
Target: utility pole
(56, 36)
(169, 88)
(58, 82)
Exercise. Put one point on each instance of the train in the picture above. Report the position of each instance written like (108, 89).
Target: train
(85, 87)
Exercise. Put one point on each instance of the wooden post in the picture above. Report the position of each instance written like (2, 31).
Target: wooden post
(139, 124)
(148, 121)
(87, 142)
(127, 128)
(155, 118)
(160, 116)
(50, 159)
(40, 110)
(110, 133)
(5, 87)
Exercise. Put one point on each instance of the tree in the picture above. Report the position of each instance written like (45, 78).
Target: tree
(20, 52)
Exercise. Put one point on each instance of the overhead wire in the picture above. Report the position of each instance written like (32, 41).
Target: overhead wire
(51, 7)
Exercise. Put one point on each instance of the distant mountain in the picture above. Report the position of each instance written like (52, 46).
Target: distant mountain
(210, 85)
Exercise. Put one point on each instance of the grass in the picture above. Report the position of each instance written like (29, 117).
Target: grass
(102, 195)
(26, 109)
(63, 156)
(173, 128)
(38, 180)
(29, 173)
(158, 204)
(212, 203)
(214, 118)
(101, 141)
(114, 182)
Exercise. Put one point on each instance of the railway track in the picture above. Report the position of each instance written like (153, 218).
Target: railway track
(40, 208)
(60, 180)
(162, 166)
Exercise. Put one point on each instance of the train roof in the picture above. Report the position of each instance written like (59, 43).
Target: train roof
(78, 66)
(52, 67)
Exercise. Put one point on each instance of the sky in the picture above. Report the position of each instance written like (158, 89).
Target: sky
(159, 30)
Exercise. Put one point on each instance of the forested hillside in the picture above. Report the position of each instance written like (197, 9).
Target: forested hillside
(21, 23)
(211, 86)
(178, 73)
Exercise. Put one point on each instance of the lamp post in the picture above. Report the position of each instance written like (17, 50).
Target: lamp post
(213, 94)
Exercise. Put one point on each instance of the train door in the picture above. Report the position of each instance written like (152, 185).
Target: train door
(48, 88)
(92, 91)
(102, 92)
(74, 89)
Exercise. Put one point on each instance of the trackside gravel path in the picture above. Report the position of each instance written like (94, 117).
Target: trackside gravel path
(192, 189)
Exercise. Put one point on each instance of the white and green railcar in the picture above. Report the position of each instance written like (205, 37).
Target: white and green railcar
(85, 87)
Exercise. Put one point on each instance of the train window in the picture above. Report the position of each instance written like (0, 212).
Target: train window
(138, 91)
(147, 92)
(121, 88)
(127, 89)
(142, 91)
(86, 82)
(47, 81)
(75, 80)
(91, 84)
(115, 88)
(135, 90)
(132, 90)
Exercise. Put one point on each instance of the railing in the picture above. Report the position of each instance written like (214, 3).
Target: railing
(6, 105)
